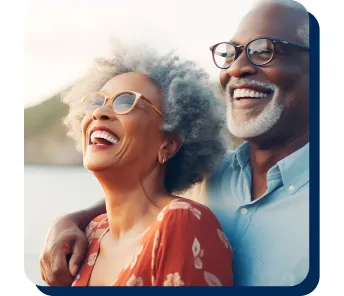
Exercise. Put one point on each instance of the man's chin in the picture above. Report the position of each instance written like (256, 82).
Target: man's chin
(243, 129)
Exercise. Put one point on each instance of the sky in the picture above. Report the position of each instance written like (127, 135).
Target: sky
(61, 38)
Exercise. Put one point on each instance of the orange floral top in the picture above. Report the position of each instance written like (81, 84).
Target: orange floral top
(185, 246)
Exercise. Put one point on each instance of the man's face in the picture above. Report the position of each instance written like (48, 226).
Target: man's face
(271, 100)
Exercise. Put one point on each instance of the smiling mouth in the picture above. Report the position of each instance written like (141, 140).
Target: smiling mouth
(101, 138)
(246, 93)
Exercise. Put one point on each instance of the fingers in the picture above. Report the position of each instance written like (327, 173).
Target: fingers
(64, 239)
(58, 274)
(55, 272)
(43, 272)
(78, 254)
(44, 262)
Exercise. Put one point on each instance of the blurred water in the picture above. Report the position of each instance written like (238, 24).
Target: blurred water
(50, 192)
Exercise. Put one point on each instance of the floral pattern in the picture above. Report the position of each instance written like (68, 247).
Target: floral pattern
(92, 259)
(75, 279)
(198, 253)
(184, 205)
(102, 222)
(135, 281)
(160, 216)
(173, 279)
(163, 256)
(136, 255)
(223, 238)
(89, 228)
(155, 247)
(211, 279)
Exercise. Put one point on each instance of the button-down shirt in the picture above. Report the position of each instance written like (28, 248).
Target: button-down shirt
(269, 236)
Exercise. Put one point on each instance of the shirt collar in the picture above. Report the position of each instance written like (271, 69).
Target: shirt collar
(295, 168)
(242, 154)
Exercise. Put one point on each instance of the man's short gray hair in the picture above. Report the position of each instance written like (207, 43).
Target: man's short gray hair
(190, 108)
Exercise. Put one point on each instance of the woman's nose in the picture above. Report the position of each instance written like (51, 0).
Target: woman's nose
(104, 112)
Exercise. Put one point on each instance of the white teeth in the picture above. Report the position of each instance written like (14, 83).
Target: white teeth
(104, 135)
(248, 93)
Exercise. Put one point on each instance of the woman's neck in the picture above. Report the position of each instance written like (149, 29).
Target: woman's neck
(131, 203)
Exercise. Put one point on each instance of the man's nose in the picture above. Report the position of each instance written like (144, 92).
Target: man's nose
(240, 68)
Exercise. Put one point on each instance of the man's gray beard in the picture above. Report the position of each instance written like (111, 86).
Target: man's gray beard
(258, 125)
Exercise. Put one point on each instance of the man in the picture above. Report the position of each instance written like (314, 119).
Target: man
(260, 193)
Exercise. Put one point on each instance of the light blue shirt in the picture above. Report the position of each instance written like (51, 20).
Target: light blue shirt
(269, 236)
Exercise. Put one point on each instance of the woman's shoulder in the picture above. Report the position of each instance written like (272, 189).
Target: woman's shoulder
(183, 210)
(188, 222)
(96, 227)
(99, 218)
(98, 221)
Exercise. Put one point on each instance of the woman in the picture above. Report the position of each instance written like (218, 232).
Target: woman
(150, 127)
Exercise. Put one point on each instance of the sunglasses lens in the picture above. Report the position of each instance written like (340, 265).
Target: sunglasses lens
(224, 55)
(260, 51)
(123, 102)
(93, 101)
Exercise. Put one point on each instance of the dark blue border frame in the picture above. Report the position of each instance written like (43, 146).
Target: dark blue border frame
(312, 279)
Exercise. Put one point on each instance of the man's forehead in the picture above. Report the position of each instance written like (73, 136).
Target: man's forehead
(267, 21)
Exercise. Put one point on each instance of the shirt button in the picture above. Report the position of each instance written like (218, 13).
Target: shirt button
(291, 188)
(243, 211)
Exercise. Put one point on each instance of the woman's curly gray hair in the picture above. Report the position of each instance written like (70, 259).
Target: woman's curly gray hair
(190, 108)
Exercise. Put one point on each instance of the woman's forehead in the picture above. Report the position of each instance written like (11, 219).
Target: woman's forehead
(129, 81)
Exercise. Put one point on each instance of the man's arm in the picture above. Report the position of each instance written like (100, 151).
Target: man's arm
(67, 238)
(84, 217)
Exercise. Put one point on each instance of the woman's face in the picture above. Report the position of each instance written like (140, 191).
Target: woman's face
(137, 133)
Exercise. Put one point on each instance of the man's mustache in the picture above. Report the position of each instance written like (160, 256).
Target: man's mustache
(245, 82)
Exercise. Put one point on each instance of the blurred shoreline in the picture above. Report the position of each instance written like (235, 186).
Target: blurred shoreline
(50, 192)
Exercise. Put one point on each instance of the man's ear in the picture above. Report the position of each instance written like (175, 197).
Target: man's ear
(169, 147)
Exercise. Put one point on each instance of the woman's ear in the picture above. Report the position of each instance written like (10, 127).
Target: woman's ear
(169, 147)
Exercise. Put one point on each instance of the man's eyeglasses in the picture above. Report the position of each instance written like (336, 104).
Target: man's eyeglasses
(121, 103)
(259, 51)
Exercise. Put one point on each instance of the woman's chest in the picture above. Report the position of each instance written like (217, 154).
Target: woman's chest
(111, 260)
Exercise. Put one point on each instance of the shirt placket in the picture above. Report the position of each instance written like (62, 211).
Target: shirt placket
(245, 212)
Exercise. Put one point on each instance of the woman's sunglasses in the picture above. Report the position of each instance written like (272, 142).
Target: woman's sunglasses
(121, 103)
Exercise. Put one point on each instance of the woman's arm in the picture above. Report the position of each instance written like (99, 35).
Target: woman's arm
(66, 239)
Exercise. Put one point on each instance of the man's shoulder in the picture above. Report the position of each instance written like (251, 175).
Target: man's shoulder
(230, 161)
(233, 160)
(223, 173)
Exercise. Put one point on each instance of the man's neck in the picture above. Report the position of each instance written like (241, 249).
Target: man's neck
(264, 156)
